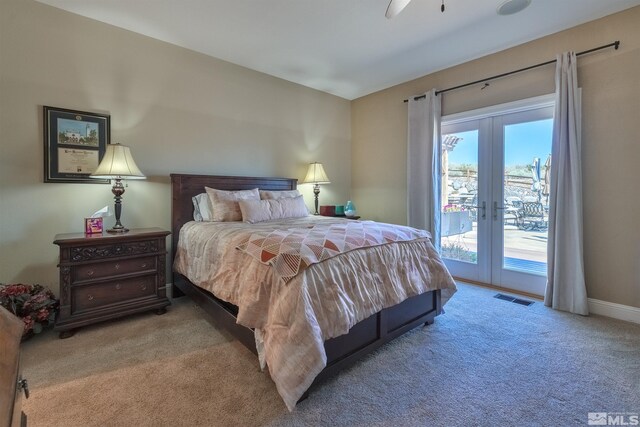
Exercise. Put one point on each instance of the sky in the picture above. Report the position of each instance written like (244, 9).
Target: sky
(65, 125)
(523, 142)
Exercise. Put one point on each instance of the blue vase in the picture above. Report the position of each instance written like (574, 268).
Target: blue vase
(350, 209)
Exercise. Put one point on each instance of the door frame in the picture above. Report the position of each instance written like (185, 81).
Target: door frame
(502, 277)
(489, 269)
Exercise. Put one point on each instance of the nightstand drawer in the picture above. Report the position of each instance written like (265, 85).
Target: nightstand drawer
(103, 251)
(91, 296)
(112, 268)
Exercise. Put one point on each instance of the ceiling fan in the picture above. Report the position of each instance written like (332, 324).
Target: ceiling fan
(396, 6)
(507, 7)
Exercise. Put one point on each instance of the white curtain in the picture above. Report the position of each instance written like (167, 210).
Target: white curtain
(566, 289)
(424, 148)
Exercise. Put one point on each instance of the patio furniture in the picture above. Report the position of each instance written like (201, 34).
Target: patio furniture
(454, 223)
(533, 216)
(511, 213)
(516, 209)
(471, 206)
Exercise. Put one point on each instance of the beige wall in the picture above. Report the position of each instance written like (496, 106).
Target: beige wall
(181, 111)
(178, 110)
(611, 146)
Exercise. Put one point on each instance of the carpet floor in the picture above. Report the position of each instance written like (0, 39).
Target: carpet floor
(484, 362)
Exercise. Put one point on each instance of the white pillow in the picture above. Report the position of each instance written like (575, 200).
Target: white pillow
(202, 210)
(265, 210)
(275, 195)
(225, 203)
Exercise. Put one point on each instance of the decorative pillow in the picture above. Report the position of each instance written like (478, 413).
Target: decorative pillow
(265, 210)
(275, 195)
(202, 210)
(225, 203)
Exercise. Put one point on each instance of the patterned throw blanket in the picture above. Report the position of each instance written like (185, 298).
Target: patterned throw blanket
(290, 251)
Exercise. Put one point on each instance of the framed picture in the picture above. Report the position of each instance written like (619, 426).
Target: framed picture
(74, 143)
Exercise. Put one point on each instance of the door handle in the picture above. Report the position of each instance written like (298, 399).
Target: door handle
(484, 209)
(496, 208)
(22, 384)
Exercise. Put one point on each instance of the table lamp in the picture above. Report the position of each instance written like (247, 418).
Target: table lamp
(117, 164)
(316, 176)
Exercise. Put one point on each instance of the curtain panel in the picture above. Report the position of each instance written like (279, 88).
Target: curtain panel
(566, 289)
(424, 150)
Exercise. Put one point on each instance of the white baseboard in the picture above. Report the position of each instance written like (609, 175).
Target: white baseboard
(169, 290)
(617, 311)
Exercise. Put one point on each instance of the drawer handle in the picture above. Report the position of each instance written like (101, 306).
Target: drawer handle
(90, 273)
(143, 287)
(117, 266)
(118, 286)
(90, 297)
(143, 265)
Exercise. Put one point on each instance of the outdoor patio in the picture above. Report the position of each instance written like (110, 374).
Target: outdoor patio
(524, 208)
(524, 250)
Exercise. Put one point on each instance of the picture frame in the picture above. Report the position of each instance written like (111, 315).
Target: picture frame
(74, 144)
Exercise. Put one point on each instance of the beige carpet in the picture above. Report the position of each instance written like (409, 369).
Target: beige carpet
(484, 362)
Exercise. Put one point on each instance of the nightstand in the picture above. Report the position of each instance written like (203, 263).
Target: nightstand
(106, 276)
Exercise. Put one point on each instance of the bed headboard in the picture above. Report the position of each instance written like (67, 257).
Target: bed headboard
(184, 187)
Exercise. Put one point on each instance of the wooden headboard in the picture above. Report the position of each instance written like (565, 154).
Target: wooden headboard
(184, 187)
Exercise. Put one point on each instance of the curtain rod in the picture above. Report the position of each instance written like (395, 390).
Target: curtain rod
(615, 44)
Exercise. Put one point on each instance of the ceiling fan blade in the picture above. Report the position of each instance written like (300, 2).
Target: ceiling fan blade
(395, 7)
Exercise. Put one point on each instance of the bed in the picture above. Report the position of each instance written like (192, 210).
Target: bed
(341, 351)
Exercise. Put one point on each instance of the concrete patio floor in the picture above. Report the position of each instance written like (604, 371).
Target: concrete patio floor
(519, 244)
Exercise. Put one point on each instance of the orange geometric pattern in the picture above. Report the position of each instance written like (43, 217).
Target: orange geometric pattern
(291, 250)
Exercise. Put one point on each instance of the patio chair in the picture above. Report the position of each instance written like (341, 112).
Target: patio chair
(533, 216)
(513, 210)
(470, 205)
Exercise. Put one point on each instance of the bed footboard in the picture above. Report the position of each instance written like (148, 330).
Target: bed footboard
(379, 329)
(342, 351)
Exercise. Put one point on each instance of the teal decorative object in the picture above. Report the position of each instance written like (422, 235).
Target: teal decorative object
(339, 210)
(350, 209)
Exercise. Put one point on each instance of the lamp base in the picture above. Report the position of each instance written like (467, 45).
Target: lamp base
(118, 191)
(118, 230)
(316, 192)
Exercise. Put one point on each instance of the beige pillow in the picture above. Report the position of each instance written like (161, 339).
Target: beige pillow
(266, 210)
(225, 203)
(275, 195)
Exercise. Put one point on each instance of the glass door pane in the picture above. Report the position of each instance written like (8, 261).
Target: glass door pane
(459, 216)
(522, 149)
(527, 159)
(464, 223)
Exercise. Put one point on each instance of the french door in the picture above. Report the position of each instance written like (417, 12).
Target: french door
(495, 179)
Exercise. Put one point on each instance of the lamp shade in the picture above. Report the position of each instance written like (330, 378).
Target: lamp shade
(118, 162)
(316, 175)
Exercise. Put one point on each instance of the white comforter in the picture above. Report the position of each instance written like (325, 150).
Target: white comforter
(323, 301)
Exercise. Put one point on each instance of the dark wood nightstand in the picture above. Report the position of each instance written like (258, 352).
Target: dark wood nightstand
(106, 276)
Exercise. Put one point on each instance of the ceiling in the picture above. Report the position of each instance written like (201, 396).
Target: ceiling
(344, 47)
